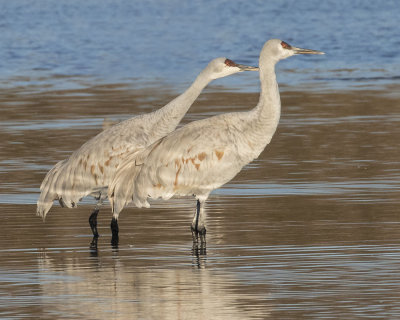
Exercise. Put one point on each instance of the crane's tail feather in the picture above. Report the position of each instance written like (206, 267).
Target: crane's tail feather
(47, 191)
(122, 189)
(43, 207)
(58, 186)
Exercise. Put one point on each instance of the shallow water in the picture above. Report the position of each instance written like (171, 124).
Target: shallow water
(309, 230)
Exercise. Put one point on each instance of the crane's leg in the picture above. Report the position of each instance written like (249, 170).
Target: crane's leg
(199, 224)
(93, 226)
(93, 222)
(114, 231)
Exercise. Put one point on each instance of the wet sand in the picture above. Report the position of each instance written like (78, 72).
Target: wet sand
(309, 230)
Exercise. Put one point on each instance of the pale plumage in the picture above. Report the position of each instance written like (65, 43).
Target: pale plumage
(194, 159)
(90, 169)
(204, 155)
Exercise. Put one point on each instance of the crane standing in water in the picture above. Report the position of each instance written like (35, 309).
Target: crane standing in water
(90, 169)
(203, 155)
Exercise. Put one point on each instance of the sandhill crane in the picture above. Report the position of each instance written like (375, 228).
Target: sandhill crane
(203, 155)
(89, 170)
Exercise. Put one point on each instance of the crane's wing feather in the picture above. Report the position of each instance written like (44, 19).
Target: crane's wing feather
(89, 169)
(194, 159)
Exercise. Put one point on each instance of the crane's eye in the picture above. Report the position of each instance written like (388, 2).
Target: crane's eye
(230, 63)
(285, 45)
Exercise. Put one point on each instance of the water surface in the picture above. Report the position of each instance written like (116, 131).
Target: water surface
(71, 44)
(310, 230)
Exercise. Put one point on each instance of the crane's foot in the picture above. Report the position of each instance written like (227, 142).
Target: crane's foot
(93, 244)
(199, 233)
(114, 231)
(93, 222)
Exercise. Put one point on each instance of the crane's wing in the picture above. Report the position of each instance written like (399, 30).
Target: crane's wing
(89, 169)
(194, 159)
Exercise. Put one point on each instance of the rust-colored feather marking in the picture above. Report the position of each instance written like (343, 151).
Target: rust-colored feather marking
(158, 185)
(92, 168)
(219, 154)
(101, 168)
(197, 165)
(107, 163)
(201, 156)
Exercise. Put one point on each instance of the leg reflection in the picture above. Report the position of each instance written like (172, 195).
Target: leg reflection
(93, 244)
(93, 247)
(199, 253)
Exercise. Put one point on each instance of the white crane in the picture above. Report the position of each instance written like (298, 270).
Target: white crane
(203, 155)
(90, 169)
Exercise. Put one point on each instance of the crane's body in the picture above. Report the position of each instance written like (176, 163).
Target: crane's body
(203, 155)
(90, 169)
(195, 159)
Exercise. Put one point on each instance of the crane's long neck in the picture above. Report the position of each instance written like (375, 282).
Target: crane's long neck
(167, 118)
(265, 116)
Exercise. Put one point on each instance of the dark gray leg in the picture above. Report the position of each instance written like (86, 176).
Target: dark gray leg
(198, 225)
(195, 223)
(114, 230)
(93, 222)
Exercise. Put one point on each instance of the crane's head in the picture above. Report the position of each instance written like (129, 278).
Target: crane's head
(275, 50)
(222, 67)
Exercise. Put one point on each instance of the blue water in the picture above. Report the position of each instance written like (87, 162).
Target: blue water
(70, 43)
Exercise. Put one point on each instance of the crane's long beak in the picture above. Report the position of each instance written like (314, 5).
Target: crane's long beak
(305, 51)
(243, 67)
